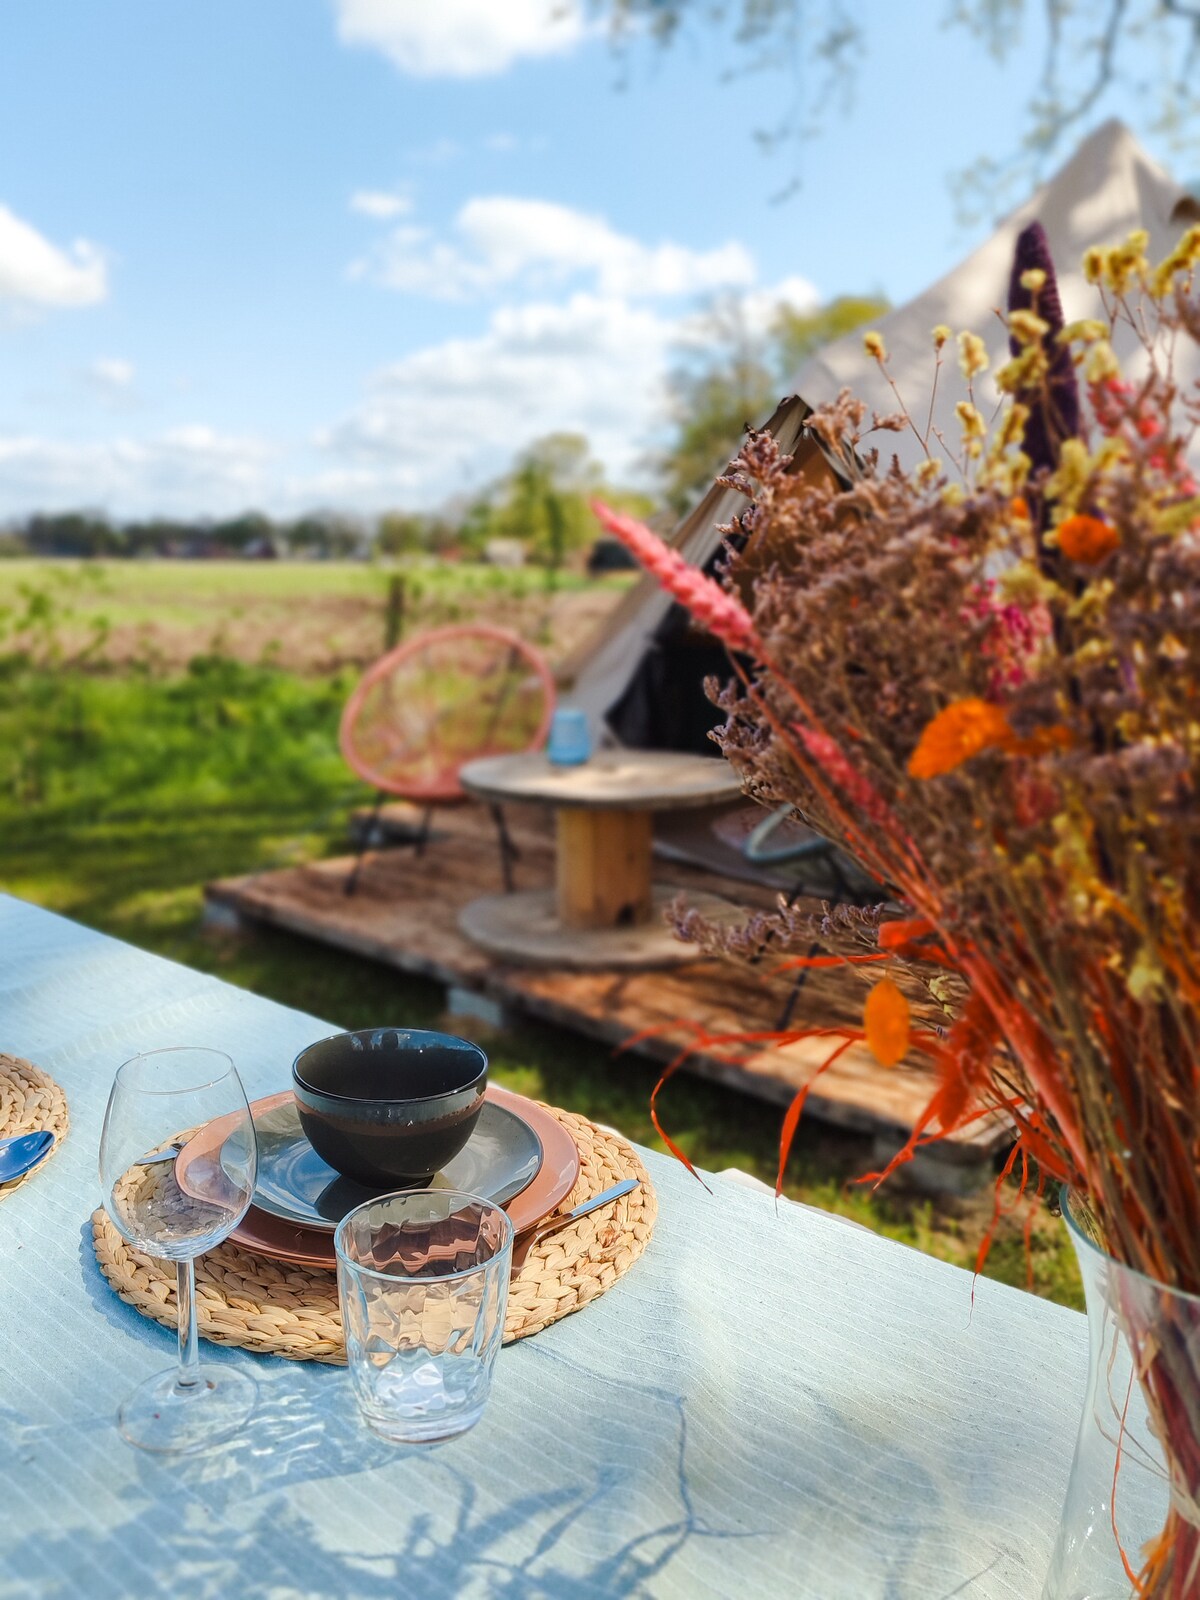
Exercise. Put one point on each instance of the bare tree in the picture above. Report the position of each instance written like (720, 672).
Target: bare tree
(1088, 48)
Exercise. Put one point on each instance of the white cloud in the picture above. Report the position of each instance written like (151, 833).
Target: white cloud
(183, 471)
(761, 306)
(537, 244)
(34, 272)
(112, 374)
(450, 417)
(460, 38)
(380, 203)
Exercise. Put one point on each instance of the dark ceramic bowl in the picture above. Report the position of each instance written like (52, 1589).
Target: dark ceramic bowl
(389, 1106)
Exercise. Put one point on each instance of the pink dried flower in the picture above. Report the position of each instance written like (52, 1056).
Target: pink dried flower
(717, 611)
(1013, 638)
(832, 760)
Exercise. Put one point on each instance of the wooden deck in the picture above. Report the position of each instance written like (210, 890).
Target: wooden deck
(405, 913)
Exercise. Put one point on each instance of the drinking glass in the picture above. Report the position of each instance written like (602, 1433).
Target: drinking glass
(423, 1284)
(570, 742)
(156, 1097)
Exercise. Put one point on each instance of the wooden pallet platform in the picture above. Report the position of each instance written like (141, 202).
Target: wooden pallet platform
(405, 913)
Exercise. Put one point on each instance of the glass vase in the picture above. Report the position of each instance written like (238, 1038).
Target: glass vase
(1129, 1523)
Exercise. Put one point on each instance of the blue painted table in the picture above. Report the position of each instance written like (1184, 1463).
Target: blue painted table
(770, 1403)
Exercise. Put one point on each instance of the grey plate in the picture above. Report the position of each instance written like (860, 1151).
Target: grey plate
(500, 1159)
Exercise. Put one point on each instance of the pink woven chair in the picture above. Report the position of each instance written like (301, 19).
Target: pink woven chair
(434, 703)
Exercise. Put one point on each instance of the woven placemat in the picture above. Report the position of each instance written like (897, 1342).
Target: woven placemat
(30, 1100)
(278, 1309)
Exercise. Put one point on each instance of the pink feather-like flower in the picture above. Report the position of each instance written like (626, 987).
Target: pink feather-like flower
(717, 611)
(835, 764)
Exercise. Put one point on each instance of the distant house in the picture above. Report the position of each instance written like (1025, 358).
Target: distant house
(504, 553)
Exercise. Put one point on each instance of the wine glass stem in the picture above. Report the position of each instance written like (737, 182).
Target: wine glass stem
(189, 1357)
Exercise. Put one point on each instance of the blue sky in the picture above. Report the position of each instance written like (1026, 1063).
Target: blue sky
(293, 253)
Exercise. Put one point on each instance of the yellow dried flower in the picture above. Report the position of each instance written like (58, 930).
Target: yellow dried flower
(874, 346)
(1092, 604)
(927, 472)
(940, 334)
(1173, 650)
(1146, 978)
(1006, 473)
(1101, 363)
(1126, 262)
(1027, 327)
(1025, 582)
(1178, 518)
(1012, 426)
(973, 425)
(1033, 279)
(953, 495)
(1093, 264)
(1068, 482)
(972, 355)
(1108, 452)
(1183, 258)
(1026, 371)
(1086, 331)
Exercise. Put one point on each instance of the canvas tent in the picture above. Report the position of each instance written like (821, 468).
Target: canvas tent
(639, 679)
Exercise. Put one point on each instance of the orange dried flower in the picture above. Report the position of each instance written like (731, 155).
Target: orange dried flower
(886, 1023)
(1019, 507)
(1086, 539)
(958, 732)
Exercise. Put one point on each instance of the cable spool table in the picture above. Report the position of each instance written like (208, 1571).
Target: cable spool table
(604, 910)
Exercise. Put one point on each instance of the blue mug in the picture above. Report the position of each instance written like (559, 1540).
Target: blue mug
(569, 743)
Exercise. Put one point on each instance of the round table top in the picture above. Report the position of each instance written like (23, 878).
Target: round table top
(611, 780)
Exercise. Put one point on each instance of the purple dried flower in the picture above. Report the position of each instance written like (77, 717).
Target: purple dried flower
(1053, 405)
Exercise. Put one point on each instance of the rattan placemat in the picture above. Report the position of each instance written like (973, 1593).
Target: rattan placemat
(30, 1100)
(278, 1309)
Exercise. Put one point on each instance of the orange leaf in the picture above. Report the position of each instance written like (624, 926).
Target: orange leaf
(794, 1112)
(886, 1020)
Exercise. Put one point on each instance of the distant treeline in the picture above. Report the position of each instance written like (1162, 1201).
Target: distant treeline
(540, 504)
(252, 534)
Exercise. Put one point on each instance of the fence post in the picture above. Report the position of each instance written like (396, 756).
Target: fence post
(393, 621)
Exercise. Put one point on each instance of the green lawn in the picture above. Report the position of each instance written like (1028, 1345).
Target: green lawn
(123, 791)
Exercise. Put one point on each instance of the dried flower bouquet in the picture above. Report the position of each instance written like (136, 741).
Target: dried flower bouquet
(980, 679)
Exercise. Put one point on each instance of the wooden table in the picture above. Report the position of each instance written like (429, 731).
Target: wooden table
(604, 909)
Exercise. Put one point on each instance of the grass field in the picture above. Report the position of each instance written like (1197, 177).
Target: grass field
(127, 781)
(306, 616)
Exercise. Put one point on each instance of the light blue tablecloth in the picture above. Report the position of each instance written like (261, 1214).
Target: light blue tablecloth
(770, 1403)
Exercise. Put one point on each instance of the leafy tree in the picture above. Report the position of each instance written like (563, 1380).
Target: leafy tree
(543, 502)
(732, 375)
(238, 533)
(800, 334)
(724, 383)
(401, 533)
(72, 533)
(326, 533)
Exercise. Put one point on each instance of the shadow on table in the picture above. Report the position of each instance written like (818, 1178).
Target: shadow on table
(307, 1502)
(436, 1523)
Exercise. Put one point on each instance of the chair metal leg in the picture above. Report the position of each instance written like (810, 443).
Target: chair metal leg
(801, 978)
(422, 838)
(508, 850)
(364, 844)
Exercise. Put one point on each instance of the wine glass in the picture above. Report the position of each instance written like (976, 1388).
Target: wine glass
(156, 1097)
